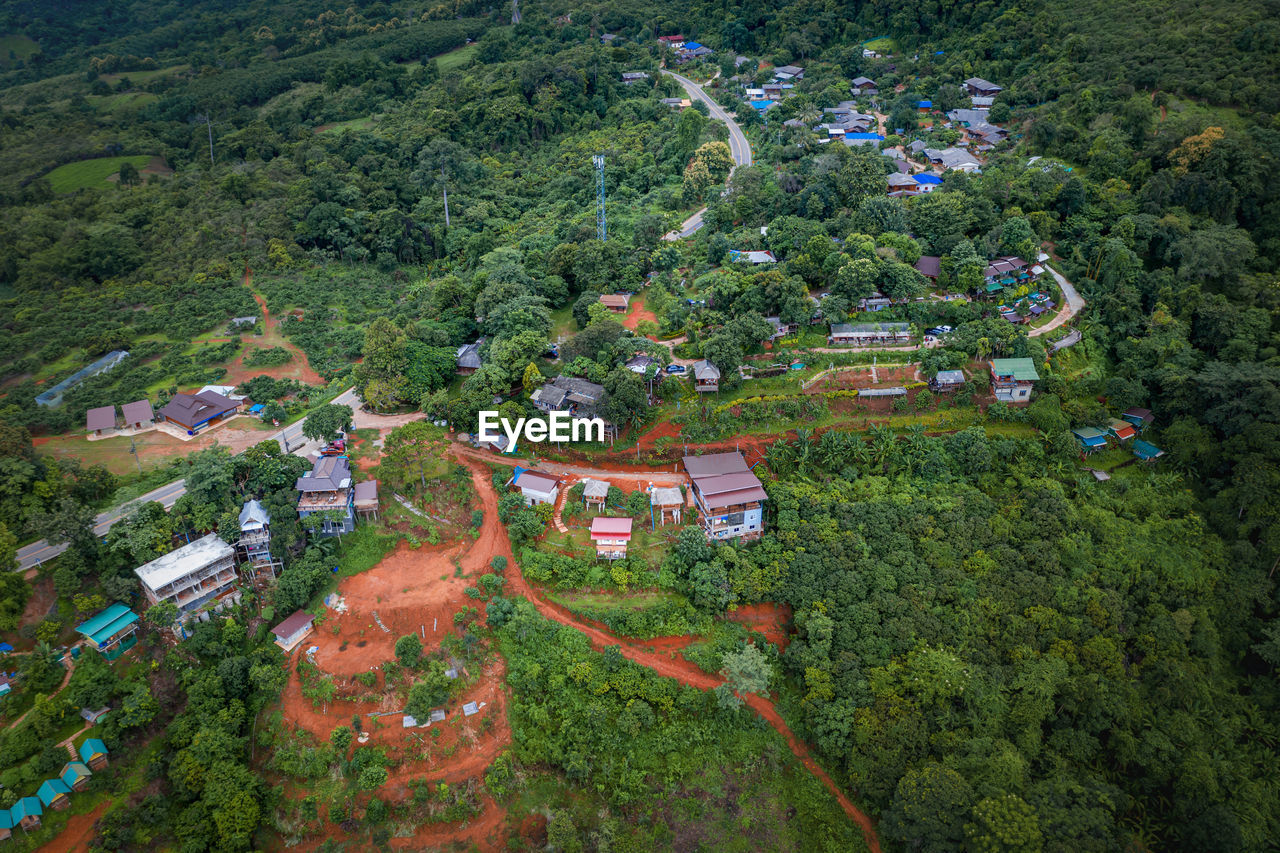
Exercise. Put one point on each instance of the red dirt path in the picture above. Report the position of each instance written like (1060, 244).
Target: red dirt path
(666, 662)
(298, 368)
(77, 834)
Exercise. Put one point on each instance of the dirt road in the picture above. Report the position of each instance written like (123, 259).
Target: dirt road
(667, 662)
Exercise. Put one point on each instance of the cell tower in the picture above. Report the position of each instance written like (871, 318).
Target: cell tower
(602, 228)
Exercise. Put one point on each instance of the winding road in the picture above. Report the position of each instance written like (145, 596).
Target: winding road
(1072, 304)
(739, 147)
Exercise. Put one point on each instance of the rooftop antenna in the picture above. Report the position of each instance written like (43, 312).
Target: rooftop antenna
(602, 228)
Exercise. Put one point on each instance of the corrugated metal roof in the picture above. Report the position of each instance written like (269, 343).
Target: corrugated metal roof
(537, 482)
(715, 464)
(103, 417)
(613, 528)
(293, 624)
(138, 411)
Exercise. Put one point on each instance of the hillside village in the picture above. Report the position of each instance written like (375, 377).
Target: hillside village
(931, 508)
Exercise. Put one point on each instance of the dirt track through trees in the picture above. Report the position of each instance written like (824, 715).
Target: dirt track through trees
(668, 663)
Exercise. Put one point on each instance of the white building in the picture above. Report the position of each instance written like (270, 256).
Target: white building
(191, 576)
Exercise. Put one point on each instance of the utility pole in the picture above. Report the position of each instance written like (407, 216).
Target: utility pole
(133, 448)
(602, 228)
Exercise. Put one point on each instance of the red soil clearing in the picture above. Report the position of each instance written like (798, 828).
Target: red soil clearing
(298, 368)
(637, 313)
(885, 377)
(77, 834)
(768, 619)
(665, 662)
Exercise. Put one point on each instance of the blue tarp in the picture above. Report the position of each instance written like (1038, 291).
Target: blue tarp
(761, 105)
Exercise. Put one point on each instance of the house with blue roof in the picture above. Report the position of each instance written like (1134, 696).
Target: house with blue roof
(75, 775)
(54, 793)
(26, 813)
(6, 824)
(925, 106)
(1090, 439)
(112, 631)
(94, 753)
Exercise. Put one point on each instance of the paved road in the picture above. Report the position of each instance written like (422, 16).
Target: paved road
(290, 438)
(1070, 308)
(739, 147)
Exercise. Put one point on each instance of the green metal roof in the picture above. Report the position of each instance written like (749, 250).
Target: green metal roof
(992, 287)
(108, 623)
(1021, 369)
(74, 771)
(1088, 432)
(1146, 450)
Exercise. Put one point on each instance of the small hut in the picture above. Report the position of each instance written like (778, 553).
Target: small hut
(665, 502)
(594, 494)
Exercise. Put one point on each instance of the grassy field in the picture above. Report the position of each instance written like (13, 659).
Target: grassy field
(126, 101)
(142, 76)
(352, 124)
(14, 48)
(456, 58)
(91, 173)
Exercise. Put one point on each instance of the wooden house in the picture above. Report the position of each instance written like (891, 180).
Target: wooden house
(947, 380)
(93, 752)
(75, 775)
(1122, 430)
(706, 377)
(26, 813)
(1140, 418)
(54, 794)
(665, 503)
(112, 631)
(729, 497)
(594, 493)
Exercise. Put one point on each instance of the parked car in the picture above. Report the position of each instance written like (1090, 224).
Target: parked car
(675, 368)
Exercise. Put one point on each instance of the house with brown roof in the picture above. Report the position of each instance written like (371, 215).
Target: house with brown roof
(611, 537)
(537, 488)
(929, 266)
(293, 630)
(615, 302)
(706, 377)
(138, 414)
(194, 412)
(728, 495)
(101, 420)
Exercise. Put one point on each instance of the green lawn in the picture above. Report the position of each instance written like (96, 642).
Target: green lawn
(456, 58)
(91, 173)
(16, 47)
